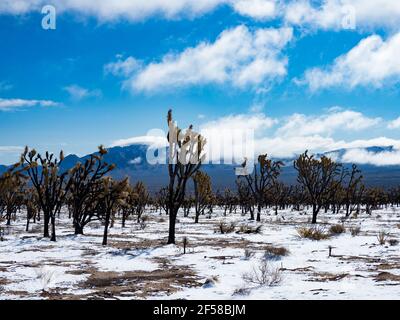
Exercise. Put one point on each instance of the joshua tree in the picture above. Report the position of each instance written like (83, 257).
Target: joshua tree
(111, 196)
(227, 201)
(162, 200)
(32, 206)
(185, 158)
(320, 179)
(202, 192)
(353, 190)
(280, 194)
(262, 180)
(84, 182)
(140, 199)
(12, 184)
(245, 198)
(373, 198)
(49, 183)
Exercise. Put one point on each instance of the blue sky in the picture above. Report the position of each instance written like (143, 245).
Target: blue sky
(289, 68)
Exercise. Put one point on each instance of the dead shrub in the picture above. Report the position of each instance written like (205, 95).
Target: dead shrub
(264, 275)
(355, 231)
(247, 229)
(275, 253)
(224, 228)
(313, 233)
(337, 229)
(382, 237)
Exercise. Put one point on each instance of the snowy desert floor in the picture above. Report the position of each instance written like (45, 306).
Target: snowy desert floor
(137, 264)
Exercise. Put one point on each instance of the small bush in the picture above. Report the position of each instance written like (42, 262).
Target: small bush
(313, 233)
(382, 237)
(210, 282)
(337, 229)
(247, 229)
(355, 231)
(393, 242)
(224, 228)
(275, 253)
(264, 275)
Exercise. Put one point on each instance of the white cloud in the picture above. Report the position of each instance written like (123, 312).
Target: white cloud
(137, 160)
(14, 104)
(394, 124)
(293, 135)
(160, 141)
(335, 14)
(335, 119)
(138, 10)
(11, 149)
(257, 123)
(285, 137)
(373, 62)
(79, 93)
(362, 156)
(238, 57)
(122, 67)
(257, 9)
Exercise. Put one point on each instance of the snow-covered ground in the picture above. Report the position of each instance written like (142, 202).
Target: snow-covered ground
(138, 264)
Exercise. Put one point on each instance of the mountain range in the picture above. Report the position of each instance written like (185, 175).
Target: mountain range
(131, 162)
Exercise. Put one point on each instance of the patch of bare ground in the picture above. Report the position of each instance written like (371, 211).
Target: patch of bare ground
(232, 243)
(21, 294)
(326, 277)
(133, 245)
(300, 269)
(387, 276)
(360, 258)
(4, 281)
(140, 284)
(388, 266)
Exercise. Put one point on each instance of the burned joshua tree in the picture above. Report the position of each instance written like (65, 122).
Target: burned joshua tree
(49, 184)
(84, 180)
(202, 193)
(262, 180)
(12, 185)
(185, 158)
(112, 194)
(320, 178)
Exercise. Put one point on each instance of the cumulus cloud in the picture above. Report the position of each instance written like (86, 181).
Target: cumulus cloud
(339, 14)
(79, 93)
(289, 136)
(158, 141)
(122, 67)
(362, 156)
(138, 10)
(335, 119)
(15, 104)
(232, 137)
(257, 9)
(373, 62)
(238, 57)
(394, 124)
